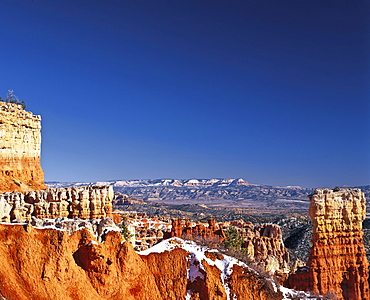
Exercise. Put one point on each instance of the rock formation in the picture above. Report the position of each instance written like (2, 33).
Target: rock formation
(122, 199)
(184, 229)
(209, 274)
(337, 262)
(88, 202)
(264, 245)
(97, 227)
(50, 264)
(20, 144)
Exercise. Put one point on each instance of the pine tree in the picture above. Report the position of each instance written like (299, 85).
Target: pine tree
(233, 239)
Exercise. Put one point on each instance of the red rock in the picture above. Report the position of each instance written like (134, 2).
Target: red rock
(170, 267)
(337, 262)
(44, 264)
(184, 229)
(49, 264)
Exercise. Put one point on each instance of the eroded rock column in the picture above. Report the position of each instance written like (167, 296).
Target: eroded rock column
(337, 262)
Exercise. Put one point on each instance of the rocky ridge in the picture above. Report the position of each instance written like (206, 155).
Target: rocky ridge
(20, 145)
(97, 227)
(51, 264)
(91, 202)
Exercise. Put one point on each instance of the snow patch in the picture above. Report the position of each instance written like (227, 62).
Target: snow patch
(197, 256)
(225, 265)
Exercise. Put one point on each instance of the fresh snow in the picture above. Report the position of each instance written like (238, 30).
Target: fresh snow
(197, 256)
(155, 182)
(93, 243)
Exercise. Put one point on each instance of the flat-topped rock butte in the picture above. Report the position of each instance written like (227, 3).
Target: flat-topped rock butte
(21, 173)
(20, 146)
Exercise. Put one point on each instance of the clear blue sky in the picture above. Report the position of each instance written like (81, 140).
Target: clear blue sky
(275, 92)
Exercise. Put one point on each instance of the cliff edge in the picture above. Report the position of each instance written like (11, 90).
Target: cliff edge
(20, 146)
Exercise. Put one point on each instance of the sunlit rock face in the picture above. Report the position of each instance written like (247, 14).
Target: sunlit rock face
(337, 263)
(264, 244)
(198, 273)
(185, 229)
(20, 145)
(45, 263)
(87, 202)
(50, 264)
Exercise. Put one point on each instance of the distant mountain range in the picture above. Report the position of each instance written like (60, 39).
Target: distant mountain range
(229, 192)
(159, 182)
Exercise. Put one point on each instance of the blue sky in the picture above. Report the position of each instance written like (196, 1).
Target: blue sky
(275, 92)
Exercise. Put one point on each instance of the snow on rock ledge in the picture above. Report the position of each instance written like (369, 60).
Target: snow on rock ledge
(209, 274)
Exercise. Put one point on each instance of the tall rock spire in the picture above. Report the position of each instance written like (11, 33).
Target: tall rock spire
(337, 262)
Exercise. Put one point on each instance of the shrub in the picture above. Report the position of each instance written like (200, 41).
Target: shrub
(124, 229)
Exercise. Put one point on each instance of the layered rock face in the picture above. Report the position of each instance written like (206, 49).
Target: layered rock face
(122, 199)
(97, 227)
(337, 262)
(20, 144)
(50, 264)
(88, 202)
(184, 229)
(264, 245)
(197, 274)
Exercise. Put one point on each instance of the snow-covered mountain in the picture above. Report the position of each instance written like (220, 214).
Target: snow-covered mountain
(223, 182)
(215, 191)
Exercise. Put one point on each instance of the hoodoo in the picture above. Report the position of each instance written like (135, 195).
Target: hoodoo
(20, 145)
(337, 262)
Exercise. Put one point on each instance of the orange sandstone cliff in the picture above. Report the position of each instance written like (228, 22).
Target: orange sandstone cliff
(20, 144)
(184, 229)
(337, 262)
(50, 264)
(45, 264)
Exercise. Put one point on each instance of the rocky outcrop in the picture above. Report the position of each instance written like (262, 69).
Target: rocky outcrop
(184, 229)
(20, 144)
(337, 262)
(197, 273)
(50, 264)
(122, 199)
(89, 202)
(97, 227)
(263, 245)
